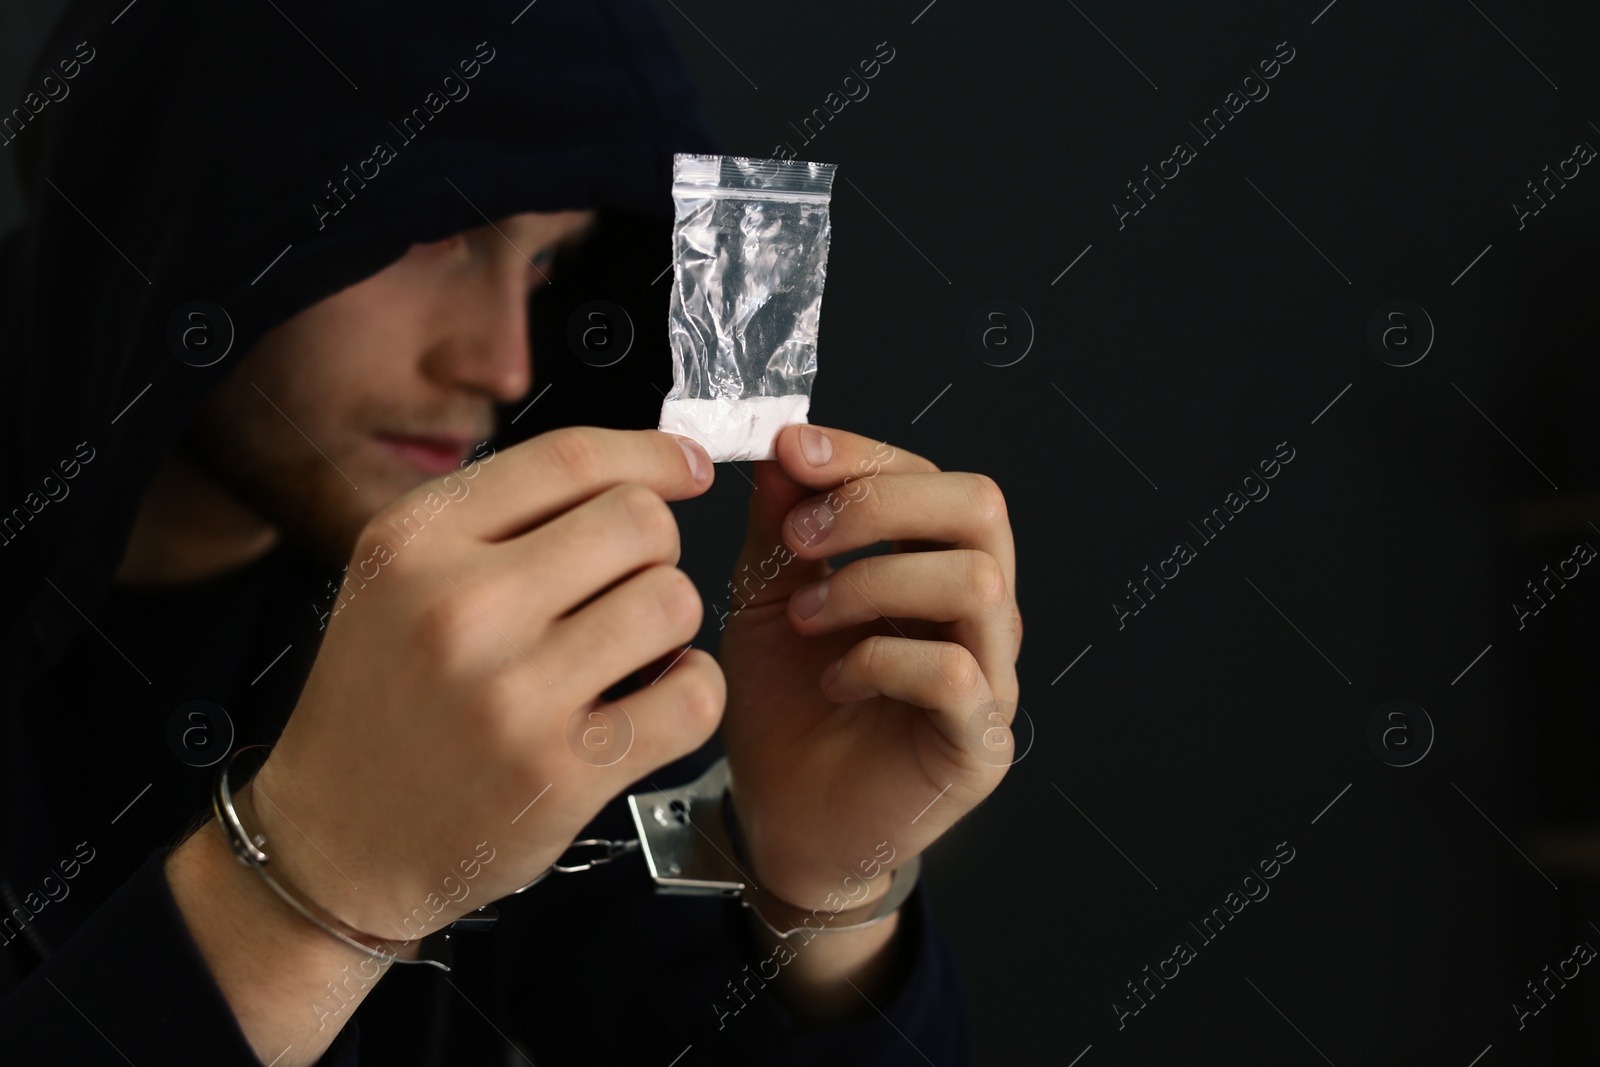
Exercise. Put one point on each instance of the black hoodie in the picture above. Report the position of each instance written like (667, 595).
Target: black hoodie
(259, 157)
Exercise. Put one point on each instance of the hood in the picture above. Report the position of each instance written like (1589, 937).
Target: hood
(260, 157)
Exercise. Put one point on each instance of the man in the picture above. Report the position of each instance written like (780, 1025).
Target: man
(478, 602)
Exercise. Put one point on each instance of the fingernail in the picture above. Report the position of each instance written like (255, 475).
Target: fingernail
(699, 462)
(813, 527)
(831, 675)
(809, 601)
(816, 446)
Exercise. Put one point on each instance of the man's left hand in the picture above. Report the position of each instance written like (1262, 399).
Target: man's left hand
(884, 716)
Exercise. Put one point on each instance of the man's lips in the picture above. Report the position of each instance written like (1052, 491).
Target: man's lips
(431, 454)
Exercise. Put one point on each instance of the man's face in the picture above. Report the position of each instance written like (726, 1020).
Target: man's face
(382, 386)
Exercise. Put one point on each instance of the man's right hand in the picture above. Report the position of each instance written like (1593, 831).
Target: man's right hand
(443, 697)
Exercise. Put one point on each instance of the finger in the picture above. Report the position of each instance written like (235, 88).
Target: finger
(546, 475)
(854, 461)
(621, 630)
(956, 508)
(964, 588)
(654, 725)
(582, 551)
(940, 676)
(821, 457)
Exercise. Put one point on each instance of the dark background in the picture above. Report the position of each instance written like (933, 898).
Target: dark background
(1175, 354)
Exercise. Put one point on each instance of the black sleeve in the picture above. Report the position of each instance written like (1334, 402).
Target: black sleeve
(597, 968)
(131, 986)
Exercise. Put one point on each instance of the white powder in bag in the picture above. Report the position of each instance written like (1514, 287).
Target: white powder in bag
(734, 429)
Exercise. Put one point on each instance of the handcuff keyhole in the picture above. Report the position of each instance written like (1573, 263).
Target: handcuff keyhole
(680, 811)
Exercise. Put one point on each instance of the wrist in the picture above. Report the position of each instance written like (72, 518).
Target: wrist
(828, 981)
(300, 861)
(829, 909)
(209, 883)
(271, 966)
(846, 900)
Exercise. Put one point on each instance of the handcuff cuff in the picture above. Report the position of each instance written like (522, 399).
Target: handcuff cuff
(685, 857)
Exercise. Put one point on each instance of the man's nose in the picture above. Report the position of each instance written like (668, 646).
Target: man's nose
(487, 349)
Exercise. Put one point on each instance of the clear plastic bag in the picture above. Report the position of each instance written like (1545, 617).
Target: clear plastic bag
(750, 254)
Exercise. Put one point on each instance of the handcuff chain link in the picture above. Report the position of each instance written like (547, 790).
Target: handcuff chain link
(604, 851)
